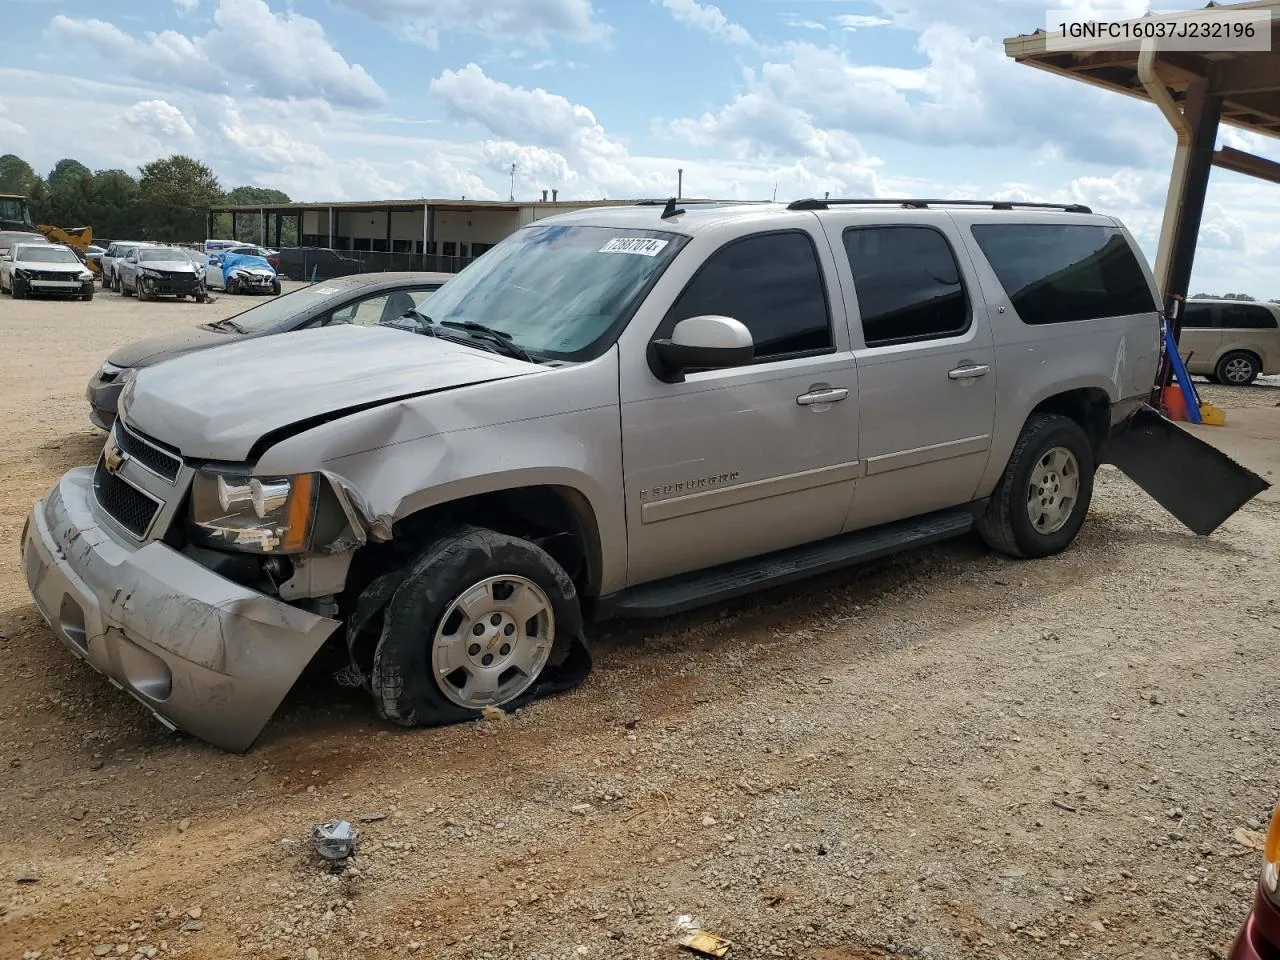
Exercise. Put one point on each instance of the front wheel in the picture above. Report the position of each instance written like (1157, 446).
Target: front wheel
(18, 288)
(473, 625)
(275, 288)
(1041, 500)
(233, 287)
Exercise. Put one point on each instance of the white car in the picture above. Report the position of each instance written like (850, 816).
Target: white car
(229, 270)
(48, 268)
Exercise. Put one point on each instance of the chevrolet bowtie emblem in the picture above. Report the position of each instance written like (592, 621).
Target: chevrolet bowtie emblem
(112, 457)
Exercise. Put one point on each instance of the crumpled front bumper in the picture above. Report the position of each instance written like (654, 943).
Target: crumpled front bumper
(255, 282)
(103, 397)
(202, 653)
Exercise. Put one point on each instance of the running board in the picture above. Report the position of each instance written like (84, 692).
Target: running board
(677, 594)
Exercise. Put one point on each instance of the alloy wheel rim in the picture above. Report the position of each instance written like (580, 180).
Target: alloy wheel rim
(1238, 370)
(1053, 490)
(493, 641)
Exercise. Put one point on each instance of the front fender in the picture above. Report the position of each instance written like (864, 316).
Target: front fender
(559, 428)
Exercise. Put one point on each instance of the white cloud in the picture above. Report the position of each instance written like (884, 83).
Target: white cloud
(707, 18)
(249, 49)
(186, 6)
(969, 93)
(516, 113)
(852, 22)
(525, 22)
(161, 119)
(267, 144)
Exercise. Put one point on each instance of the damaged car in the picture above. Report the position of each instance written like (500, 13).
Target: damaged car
(49, 269)
(153, 271)
(625, 411)
(240, 273)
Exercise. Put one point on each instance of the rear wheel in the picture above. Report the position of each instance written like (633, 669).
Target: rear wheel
(1041, 500)
(474, 624)
(1238, 368)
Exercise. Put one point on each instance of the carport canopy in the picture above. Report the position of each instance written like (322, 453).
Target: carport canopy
(1196, 91)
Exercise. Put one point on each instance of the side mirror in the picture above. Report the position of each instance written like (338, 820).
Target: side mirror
(708, 341)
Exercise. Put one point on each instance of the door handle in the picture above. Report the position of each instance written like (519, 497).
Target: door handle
(830, 395)
(968, 373)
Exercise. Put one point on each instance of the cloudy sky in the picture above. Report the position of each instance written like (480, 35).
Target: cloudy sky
(369, 99)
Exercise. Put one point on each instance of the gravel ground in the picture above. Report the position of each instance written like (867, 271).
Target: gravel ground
(942, 755)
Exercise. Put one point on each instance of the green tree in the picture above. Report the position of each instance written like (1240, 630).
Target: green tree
(176, 193)
(114, 211)
(18, 176)
(248, 225)
(70, 194)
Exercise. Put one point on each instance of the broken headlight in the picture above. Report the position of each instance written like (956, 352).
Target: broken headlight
(254, 514)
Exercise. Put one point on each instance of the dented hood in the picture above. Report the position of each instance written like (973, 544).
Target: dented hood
(215, 404)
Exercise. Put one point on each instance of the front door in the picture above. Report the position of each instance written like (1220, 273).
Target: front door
(926, 366)
(738, 462)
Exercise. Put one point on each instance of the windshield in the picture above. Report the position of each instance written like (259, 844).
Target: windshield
(557, 290)
(46, 255)
(272, 313)
(160, 254)
(14, 209)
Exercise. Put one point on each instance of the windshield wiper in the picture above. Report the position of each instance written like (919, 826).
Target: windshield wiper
(499, 337)
(228, 323)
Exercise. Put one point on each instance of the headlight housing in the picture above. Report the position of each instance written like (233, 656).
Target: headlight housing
(254, 514)
(151, 274)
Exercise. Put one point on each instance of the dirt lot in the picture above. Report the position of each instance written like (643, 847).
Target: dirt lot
(946, 755)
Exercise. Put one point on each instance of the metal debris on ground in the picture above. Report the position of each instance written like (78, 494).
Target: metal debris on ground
(372, 817)
(708, 944)
(334, 839)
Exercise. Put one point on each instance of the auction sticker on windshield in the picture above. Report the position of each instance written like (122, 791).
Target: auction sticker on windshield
(645, 246)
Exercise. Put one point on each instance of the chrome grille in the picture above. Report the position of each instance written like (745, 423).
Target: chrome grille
(153, 455)
(124, 503)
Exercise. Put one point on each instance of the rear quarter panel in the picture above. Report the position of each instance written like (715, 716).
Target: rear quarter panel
(1117, 355)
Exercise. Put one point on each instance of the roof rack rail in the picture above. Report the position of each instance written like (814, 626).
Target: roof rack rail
(659, 203)
(912, 204)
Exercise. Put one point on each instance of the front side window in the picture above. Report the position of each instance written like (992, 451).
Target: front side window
(773, 284)
(1062, 273)
(908, 284)
(559, 291)
(46, 255)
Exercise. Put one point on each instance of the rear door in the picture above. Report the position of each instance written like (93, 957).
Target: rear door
(926, 363)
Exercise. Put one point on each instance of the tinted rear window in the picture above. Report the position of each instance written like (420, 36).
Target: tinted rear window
(1245, 316)
(908, 284)
(1060, 273)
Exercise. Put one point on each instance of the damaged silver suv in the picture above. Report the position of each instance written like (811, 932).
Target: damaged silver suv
(623, 411)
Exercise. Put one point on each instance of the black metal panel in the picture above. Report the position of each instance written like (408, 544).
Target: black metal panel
(1195, 481)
